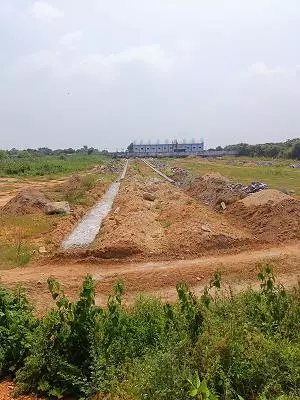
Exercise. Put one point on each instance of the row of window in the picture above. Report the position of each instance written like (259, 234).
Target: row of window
(142, 149)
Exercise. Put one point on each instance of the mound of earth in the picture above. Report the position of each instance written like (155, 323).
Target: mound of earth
(73, 183)
(27, 201)
(171, 226)
(270, 215)
(213, 189)
(265, 196)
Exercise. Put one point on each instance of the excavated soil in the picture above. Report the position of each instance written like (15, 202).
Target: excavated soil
(74, 182)
(212, 189)
(7, 389)
(272, 216)
(27, 201)
(153, 277)
(171, 226)
(265, 196)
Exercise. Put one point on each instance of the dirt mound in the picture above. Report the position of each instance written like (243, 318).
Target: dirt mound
(169, 227)
(73, 183)
(271, 216)
(213, 189)
(265, 196)
(27, 201)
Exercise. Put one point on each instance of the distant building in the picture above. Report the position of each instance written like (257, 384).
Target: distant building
(174, 148)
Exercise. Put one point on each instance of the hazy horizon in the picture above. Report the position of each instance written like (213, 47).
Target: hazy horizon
(105, 74)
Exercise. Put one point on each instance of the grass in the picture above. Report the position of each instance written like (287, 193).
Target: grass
(279, 176)
(15, 255)
(80, 194)
(50, 167)
(18, 236)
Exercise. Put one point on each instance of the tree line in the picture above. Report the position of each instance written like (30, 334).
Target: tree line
(288, 149)
(45, 151)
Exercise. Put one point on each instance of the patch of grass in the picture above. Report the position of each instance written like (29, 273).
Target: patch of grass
(17, 236)
(135, 165)
(24, 227)
(49, 166)
(15, 255)
(80, 194)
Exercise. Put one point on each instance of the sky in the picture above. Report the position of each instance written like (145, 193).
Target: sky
(106, 73)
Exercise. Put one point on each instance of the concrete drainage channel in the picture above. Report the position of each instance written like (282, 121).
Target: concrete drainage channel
(158, 172)
(84, 234)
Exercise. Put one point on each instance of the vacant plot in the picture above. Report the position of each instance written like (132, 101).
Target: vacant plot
(156, 236)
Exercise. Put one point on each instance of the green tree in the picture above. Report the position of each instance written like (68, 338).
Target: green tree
(3, 154)
(295, 152)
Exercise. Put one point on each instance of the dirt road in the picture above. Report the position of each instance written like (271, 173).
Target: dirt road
(158, 278)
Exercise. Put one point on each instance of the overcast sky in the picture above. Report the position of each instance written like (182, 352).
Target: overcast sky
(105, 73)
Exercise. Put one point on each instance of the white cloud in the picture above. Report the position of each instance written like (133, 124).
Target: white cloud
(69, 39)
(40, 60)
(107, 67)
(44, 11)
(104, 67)
(260, 68)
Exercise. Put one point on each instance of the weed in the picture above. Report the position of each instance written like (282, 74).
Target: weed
(166, 224)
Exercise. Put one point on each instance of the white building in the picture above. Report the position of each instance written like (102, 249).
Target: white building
(166, 148)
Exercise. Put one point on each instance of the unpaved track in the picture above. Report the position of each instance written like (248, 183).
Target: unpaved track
(155, 277)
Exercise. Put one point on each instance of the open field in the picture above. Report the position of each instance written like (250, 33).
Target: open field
(49, 167)
(278, 176)
(157, 235)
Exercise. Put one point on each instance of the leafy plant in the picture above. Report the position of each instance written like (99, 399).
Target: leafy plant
(199, 389)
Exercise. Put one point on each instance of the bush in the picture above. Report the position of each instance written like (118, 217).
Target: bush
(16, 326)
(246, 346)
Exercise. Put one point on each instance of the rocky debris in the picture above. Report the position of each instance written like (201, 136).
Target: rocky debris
(27, 201)
(255, 187)
(296, 165)
(178, 174)
(42, 250)
(205, 228)
(111, 167)
(149, 196)
(57, 207)
(213, 189)
(223, 205)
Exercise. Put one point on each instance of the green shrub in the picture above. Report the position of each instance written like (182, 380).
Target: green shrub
(245, 346)
(16, 325)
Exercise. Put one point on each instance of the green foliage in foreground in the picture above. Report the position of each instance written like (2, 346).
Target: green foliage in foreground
(31, 165)
(244, 346)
